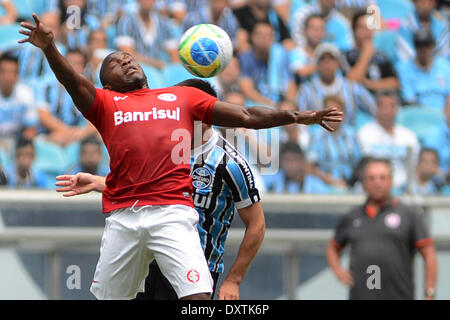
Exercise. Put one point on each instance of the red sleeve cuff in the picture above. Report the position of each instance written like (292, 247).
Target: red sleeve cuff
(336, 245)
(424, 242)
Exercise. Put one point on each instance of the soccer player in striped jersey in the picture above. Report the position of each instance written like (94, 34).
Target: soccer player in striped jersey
(223, 183)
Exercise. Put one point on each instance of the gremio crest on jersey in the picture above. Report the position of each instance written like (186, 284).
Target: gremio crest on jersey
(202, 178)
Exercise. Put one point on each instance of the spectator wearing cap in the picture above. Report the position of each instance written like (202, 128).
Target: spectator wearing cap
(329, 81)
(425, 16)
(368, 66)
(384, 138)
(337, 27)
(425, 79)
(383, 235)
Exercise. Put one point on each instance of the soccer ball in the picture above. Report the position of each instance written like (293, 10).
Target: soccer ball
(205, 50)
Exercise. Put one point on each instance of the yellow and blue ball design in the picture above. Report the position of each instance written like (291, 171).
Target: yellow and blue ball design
(205, 50)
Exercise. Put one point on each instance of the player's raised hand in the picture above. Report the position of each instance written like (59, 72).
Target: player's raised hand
(39, 35)
(320, 117)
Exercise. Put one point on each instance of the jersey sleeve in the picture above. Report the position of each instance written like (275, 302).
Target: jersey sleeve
(341, 233)
(95, 112)
(420, 236)
(200, 104)
(240, 180)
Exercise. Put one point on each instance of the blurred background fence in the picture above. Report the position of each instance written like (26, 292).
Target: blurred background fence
(47, 240)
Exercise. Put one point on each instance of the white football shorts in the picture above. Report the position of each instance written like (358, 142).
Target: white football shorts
(133, 237)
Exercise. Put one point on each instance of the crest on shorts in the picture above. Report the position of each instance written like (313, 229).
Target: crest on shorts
(193, 276)
(392, 220)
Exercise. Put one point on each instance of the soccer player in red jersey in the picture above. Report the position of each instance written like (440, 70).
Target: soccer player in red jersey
(148, 191)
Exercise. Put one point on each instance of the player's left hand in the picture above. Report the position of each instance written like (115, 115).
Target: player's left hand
(72, 185)
(320, 117)
(229, 290)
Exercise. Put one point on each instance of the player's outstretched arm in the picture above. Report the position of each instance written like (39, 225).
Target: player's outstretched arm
(255, 227)
(77, 85)
(80, 183)
(232, 115)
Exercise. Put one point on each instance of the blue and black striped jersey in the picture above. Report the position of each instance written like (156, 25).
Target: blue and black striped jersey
(223, 182)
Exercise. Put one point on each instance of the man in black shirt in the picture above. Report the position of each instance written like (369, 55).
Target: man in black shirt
(383, 235)
(367, 65)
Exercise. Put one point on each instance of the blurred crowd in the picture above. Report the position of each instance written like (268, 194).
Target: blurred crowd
(384, 63)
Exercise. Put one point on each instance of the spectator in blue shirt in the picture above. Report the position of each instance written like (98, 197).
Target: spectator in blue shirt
(150, 34)
(21, 173)
(425, 16)
(425, 80)
(439, 139)
(429, 179)
(18, 116)
(301, 59)
(337, 27)
(335, 155)
(60, 120)
(329, 81)
(32, 63)
(293, 176)
(90, 159)
(265, 77)
(8, 12)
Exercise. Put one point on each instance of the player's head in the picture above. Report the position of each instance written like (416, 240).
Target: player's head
(377, 179)
(120, 72)
(203, 85)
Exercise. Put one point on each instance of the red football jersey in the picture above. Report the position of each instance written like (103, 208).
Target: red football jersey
(147, 133)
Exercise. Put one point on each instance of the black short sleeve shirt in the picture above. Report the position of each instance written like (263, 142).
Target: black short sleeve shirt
(388, 241)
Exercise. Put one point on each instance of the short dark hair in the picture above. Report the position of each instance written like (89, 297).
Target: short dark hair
(77, 51)
(291, 147)
(103, 71)
(310, 17)
(203, 85)
(427, 149)
(24, 142)
(90, 140)
(387, 93)
(9, 56)
(371, 160)
(356, 16)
